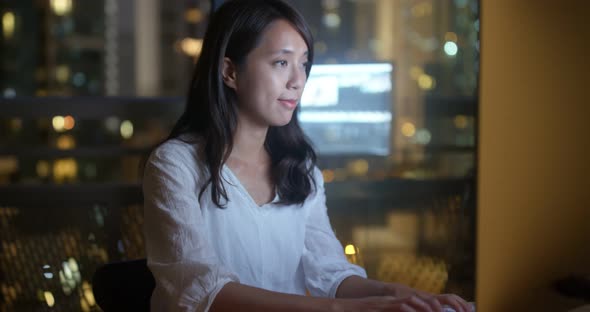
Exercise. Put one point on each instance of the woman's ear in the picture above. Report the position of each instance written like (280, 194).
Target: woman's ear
(228, 73)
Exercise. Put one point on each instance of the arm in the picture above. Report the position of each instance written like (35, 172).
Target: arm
(356, 286)
(324, 259)
(186, 269)
(239, 297)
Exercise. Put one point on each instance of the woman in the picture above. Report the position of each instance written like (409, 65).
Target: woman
(235, 214)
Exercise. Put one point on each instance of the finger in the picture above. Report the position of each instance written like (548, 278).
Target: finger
(419, 304)
(453, 302)
(403, 307)
(432, 303)
(466, 305)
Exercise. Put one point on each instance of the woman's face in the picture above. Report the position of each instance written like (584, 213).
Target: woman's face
(270, 82)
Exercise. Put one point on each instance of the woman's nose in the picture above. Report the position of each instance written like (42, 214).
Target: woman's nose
(297, 78)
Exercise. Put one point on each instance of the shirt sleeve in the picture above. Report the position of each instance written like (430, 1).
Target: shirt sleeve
(187, 272)
(324, 263)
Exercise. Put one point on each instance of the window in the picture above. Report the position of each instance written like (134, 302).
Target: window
(394, 123)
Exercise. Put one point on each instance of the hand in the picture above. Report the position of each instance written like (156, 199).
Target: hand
(436, 301)
(387, 304)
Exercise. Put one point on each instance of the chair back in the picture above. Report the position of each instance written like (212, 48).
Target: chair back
(123, 286)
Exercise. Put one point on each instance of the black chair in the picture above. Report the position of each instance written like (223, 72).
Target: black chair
(123, 286)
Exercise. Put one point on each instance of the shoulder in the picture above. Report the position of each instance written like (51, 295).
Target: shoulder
(186, 149)
(177, 154)
(318, 178)
(317, 183)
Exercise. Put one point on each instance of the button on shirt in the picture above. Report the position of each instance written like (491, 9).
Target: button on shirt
(194, 248)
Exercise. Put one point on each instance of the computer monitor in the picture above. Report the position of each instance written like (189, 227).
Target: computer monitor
(346, 109)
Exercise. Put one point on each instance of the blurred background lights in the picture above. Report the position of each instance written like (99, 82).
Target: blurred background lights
(69, 122)
(328, 175)
(193, 16)
(423, 136)
(350, 249)
(88, 294)
(126, 129)
(112, 124)
(460, 121)
(47, 274)
(416, 72)
(9, 93)
(332, 20)
(58, 123)
(422, 9)
(8, 22)
(61, 7)
(79, 79)
(408, 129)
(451, 36)
(352, 254)
(42, 168)
(65, 169)
(49, 299)
(69, 275)
(330, 4)
(359, 167)
(62, 73)
(451, 48)
(191, 46)
(426, 82)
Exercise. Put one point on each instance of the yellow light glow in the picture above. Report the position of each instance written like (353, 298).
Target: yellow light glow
(63, 169)
(408, 129)
(350, 250)
(49, 299)
(359, 167)
(62, 73)
(191, 46)
(8, 22)
(58, 123)
(66, 142)
(461, 121)
(328, 175)
(42, 168)
(416, 72)
(84, 305)
(88, 294)
(451, 36)
(69, 122)
(126, 129)
(61, 7)
(426, 82)
(193, 16)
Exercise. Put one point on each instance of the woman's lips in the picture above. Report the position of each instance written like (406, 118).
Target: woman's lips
(291, 104)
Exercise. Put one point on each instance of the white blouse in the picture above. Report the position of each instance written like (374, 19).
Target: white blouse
(194, 248)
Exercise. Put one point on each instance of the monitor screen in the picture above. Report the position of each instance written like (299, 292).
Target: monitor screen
(346, 108)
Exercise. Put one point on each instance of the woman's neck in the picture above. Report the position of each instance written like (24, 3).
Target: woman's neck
(248, 145)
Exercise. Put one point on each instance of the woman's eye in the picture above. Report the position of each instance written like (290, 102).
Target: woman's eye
(282, 63)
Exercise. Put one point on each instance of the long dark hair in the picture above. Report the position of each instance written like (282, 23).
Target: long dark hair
(211, 107)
